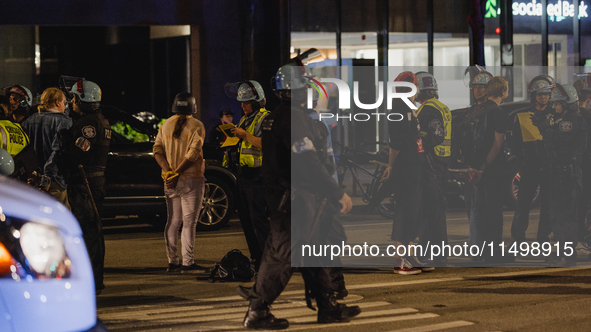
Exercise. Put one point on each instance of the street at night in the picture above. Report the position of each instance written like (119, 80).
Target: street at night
(225, 165)
(141, 296)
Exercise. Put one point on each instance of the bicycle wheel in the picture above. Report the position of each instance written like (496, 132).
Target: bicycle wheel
(384, 201)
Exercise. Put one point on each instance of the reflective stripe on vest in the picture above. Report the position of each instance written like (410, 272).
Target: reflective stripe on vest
(14, 139)
(444, 149)
(251, 156)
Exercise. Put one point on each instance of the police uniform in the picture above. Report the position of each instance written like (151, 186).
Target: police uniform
(564, 142)
(585, 196)
(15, 141)
(96, 130)
(527, 143)
(435, 123)
(251, 202)
(315, 193)
(486, 214)
(12, 137)
(461, 130)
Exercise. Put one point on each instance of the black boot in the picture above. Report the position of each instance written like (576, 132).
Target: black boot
(341, 293)
(262, 319)
(329, 311)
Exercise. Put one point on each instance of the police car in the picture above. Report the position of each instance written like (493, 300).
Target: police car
(46, 281)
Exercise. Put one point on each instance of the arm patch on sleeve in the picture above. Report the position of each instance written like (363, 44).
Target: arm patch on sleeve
(565, 126)
(302, 146)
(437, 127)
(88, 131)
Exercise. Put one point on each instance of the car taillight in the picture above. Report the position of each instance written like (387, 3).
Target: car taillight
(7, 263)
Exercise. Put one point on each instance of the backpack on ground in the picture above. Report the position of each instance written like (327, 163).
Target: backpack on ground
(234, 266)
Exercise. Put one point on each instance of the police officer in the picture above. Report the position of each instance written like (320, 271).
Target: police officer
(487, 163)
(527, 143)
(20, 98)
(565, 136)
(405, 168)
(477, 85)
(307, 152)
(436, 122)
(12, 137)
(582, 85)
(251, 202)
(217, 136)
(15, 140)
(87, 144)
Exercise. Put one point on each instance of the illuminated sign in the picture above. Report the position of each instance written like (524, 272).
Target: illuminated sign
(560, 9)
(490, 8)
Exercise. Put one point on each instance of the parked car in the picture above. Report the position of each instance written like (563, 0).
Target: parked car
(46, 280)
(134, 185)
(512, 179)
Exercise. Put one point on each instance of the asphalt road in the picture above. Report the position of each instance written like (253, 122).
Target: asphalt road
(141, 296)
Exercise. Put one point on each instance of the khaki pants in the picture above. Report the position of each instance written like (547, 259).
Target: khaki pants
(56, 191)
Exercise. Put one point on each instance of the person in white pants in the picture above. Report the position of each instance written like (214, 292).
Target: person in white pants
(178, 151)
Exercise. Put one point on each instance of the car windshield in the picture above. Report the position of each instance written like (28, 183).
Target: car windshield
(128, 129)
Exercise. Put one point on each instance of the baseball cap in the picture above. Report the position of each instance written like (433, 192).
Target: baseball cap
(226, 111)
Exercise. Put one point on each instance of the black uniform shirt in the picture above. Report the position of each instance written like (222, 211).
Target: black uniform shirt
(96, 130)
(217, 136)
(565, 139)
(311, 167)
(586, 114)
(405, 136)
(494, 120)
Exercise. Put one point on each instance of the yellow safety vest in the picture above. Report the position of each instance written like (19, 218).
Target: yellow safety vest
(529, 132)
(444, 149)
(12, 137)
(251, 156)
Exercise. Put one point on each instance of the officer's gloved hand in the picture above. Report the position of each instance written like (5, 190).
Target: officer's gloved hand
(538, 122)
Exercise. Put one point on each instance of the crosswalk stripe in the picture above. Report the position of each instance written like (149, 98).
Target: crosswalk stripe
(436, 327)
(364, 314)
(228, 314)
(365, 321)
(186, 306)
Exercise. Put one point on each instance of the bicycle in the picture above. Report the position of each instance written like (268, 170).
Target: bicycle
(378, 195)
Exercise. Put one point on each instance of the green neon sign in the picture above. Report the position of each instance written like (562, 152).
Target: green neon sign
(490, 8)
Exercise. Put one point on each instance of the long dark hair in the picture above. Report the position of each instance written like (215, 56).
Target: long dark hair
(180, 124)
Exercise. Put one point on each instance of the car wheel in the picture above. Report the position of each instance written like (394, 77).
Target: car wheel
(515, 190)
(217, 206)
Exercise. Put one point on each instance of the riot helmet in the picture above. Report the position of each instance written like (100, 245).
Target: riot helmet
(583, 85)
(184, 103)
(6, 163)
(538, 85)
(25, 95)
(283, 84)
(243, 91)
(426, 81)
(88, 95)
(427, 86)
(564, 92)
(476, 75)
(289, 78)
